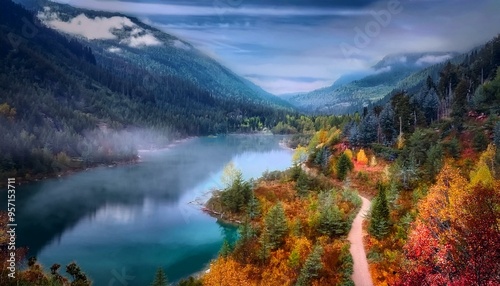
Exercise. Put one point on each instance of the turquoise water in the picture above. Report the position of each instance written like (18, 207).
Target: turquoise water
(120, 224)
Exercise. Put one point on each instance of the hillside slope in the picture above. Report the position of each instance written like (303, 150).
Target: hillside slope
(70, 102)
(347, 97)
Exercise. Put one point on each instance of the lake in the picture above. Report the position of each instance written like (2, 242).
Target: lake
(120, 224)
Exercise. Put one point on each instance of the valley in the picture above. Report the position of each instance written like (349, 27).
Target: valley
(233, 143)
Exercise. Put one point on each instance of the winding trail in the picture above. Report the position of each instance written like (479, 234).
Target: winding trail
(361, 275)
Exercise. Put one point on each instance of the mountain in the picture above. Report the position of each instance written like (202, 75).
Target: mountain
(159, 53)
(347, 97)
(77, 97)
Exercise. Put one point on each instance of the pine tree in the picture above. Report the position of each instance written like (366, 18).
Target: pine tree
(302, 185)
(311, 267)
(344, 166)
(160, 278)
(430, 106)
(368, 130)
(225, 250)
(253, 207)
(331, 222)
(379, 214)
(497, 135)
(386, 119)
(275, 226)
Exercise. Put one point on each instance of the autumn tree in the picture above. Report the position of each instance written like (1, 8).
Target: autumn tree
(349, 154)
(300, 155)
(454, 240)
(361, 157)
(7, 111)
(229, 174)
(227, 272)
(481, 176)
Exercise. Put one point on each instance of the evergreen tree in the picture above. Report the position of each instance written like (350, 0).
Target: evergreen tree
(430, 106)
(302, 185)
(253, 207)
(434, 161)
(344, 166)
(387, 125)
(331, 222)
(190, 282)
(354, 135)
(236, 197)
(459, 107)
(311, 267)
(160, 278)
(275, 226)
(497, 135)
(225, 250)
(368, 130)
(480, 141)
(379, 214)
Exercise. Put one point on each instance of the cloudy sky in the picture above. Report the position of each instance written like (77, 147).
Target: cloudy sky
(301, 45)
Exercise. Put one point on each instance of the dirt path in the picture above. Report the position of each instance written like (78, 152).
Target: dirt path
(361, 275)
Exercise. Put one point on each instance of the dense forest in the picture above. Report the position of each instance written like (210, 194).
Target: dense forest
(429, 161)
(63, 107)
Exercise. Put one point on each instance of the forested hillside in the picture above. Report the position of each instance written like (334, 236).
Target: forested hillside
(67, 103)
(394, 72)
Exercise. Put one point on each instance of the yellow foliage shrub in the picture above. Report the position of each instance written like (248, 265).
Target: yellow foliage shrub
(361, 157)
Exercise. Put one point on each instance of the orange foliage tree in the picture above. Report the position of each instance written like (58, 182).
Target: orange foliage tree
(455, 240)
(227, 272)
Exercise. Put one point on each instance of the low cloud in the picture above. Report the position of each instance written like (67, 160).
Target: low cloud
(136, 41)
(284, 86)
(429, 59)
(180, 45)
(114, 50)
(212, 10)
(100, 28)
(383, 70)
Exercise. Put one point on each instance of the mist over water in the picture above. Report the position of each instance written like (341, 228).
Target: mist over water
(133, 219)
